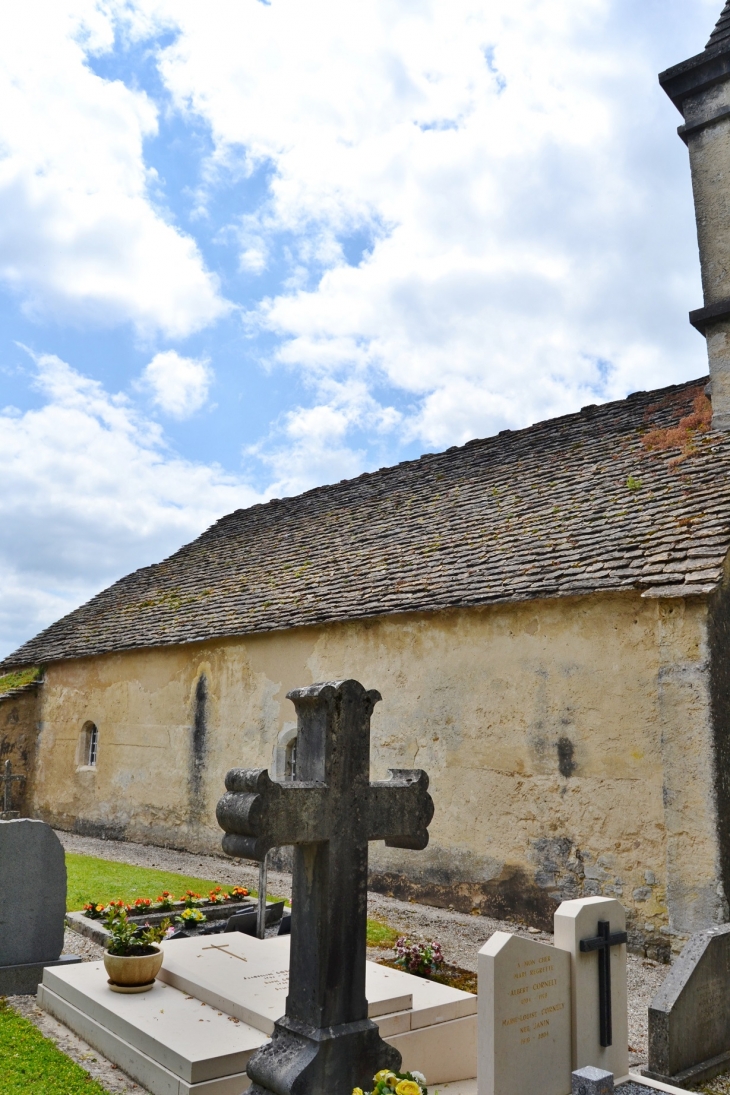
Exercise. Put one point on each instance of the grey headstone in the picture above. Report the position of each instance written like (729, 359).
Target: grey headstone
(32, 893)
(592, 1081)
(689, 1018)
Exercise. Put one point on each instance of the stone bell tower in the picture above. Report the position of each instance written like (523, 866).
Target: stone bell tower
(700, 89)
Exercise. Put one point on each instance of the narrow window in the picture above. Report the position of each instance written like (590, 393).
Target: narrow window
(290, 760)
(93, 744)
(88, 747)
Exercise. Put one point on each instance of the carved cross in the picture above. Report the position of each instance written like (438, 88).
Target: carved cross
(602, 943)
(7, 778)
(325, 1041)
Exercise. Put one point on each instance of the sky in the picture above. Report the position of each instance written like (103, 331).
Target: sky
(252, 246)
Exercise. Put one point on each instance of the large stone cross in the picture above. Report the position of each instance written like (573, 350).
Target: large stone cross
(325, 1041)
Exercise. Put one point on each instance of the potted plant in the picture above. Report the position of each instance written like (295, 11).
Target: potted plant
(132, 959)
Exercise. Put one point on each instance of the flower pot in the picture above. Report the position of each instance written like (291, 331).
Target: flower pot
(135, 973)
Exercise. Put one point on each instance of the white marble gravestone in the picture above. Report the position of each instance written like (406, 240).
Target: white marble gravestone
(575, 921)
(524, 1018)
(32, 904)
(235, 984)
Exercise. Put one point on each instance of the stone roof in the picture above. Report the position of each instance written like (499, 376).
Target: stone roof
(721, 33)
(575, 505)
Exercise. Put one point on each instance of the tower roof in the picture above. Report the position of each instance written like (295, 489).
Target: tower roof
(721, 33)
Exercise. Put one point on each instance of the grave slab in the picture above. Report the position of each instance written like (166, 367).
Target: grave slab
(32, 903)
(524, 1017)
(577, 921)
(249, 977)
(689, 1018)
(182, 1037)
(434, 1030)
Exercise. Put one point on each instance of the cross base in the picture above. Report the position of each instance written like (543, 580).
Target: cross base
(301, 1059)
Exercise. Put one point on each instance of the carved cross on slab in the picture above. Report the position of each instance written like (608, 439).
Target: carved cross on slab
(325, 1042)
(603, 943)
(7, 778)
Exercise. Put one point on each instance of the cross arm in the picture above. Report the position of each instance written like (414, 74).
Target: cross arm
(601, 941)
(400, 809)
(258, 814)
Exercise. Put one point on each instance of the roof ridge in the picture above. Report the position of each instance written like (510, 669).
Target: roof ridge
(721, 33)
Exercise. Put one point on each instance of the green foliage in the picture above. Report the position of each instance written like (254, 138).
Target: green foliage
(632, 483)
(128, 939)
(380, 934)
(31, 1063)
(19, 678)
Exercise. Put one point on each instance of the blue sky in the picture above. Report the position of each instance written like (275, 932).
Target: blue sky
(248, 247)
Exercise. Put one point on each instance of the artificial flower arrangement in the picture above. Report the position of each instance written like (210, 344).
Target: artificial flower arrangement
(218, 896)
(396, 1083)
(421, 959)
(165, 902)
(191, 916)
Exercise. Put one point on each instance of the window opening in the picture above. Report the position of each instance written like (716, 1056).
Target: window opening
(93, 744)
(290, 760)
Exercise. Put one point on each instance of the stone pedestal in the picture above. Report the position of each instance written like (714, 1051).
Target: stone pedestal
(24, 979)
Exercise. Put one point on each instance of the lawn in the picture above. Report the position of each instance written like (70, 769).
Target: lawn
(104, 880)
(30, 1063)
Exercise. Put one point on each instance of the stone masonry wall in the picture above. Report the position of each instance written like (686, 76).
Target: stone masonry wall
(569, 745)
(19, 727)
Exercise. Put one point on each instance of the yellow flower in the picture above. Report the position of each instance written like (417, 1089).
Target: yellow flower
(408, 1087)
(381, 1075)
(357, 1091)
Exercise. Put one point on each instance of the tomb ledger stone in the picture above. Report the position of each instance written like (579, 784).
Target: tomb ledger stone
(580, 921)
(689, 1018)
(524, 1018)
(32, 904)
(325, 1041)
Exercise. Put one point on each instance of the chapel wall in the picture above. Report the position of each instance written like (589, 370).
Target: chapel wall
(543, 727)
(19, 728)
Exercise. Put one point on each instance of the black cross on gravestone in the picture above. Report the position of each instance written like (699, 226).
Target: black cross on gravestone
(603, 943)
(325, 1041)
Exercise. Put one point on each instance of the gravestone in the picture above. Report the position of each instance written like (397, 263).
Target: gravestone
(32, 904)
(689, 1018)
(524, 1018)
(325, 1041)
(593, 932)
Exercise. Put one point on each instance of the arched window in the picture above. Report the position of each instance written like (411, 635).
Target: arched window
(88, 746)
(290, 759)
(284, 764)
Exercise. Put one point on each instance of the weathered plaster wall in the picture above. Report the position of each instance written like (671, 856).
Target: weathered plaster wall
(569, 745)
(19, 728)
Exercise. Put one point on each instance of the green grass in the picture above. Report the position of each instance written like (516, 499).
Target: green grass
(19, 678)
(381, 935)
(104, 880)
(30, 1063)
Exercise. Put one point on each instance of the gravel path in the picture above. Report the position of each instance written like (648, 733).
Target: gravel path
(460, 935)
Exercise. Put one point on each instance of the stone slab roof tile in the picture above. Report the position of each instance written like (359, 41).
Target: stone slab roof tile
(567, 507)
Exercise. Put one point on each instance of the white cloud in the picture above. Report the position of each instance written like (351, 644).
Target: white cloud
(90, 492)
(512, 169)
(179, 384)
(79, 236)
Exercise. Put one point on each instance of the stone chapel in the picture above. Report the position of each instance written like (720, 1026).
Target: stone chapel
(545, 612)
